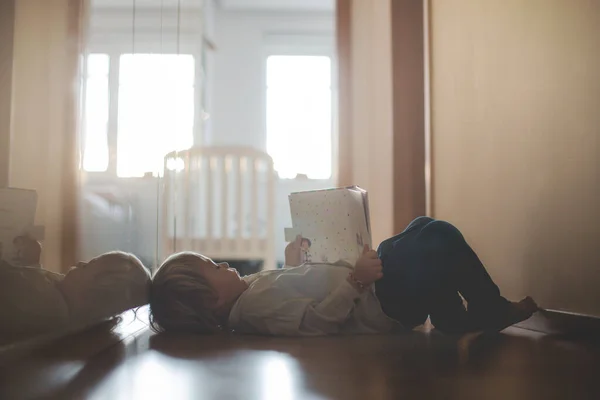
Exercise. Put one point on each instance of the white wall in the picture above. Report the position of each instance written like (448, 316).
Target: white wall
(243, 40)
(237, 94)
(146, 30)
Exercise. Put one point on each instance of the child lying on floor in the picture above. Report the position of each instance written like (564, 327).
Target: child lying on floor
(416, 274)
(36, 301)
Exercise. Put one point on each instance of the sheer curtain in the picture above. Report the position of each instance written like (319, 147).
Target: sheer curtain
(7, 23)
(49, 39)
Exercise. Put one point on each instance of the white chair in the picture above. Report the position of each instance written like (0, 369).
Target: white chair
(220, 201)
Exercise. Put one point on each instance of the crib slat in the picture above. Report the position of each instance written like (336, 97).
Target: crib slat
(270, 262)
(224, 200)
(242, 167)
(167, 240)
(187, 210)
(198, 202)
(210, 172)
(254, 202)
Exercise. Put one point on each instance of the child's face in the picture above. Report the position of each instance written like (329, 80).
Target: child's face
(226, 281)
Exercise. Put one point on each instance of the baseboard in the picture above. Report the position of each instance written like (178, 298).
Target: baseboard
(563, 323)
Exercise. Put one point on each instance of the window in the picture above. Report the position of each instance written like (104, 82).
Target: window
(154, 112)
(299, 120)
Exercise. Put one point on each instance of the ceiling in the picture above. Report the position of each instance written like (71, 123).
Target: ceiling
(232, 5)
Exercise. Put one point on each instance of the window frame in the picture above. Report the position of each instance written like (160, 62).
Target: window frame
(114, 52)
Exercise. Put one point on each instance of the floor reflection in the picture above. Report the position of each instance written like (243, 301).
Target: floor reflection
(513, 364)
(278, 377)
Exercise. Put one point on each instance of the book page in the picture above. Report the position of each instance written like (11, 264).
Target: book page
(360, 219)
(17, 216)
(333, 222)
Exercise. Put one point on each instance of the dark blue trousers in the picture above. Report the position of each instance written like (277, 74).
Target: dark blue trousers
(424, 270)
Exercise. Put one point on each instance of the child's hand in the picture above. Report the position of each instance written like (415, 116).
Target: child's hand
(293, 252)
(368, 267)
(28, 251)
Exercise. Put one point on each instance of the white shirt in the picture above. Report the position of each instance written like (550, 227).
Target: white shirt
(31, 303)
(309, 300)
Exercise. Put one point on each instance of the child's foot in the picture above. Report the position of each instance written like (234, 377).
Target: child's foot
(516, 312)
(525, 308)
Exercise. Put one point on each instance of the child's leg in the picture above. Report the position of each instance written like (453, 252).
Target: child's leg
(418, 223)
(450, 266)
(400, 290)
(447, 312)
(414, 284)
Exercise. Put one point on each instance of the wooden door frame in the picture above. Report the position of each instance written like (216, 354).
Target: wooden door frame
(412, 139)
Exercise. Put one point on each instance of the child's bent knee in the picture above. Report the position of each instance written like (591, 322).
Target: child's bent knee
(422, 220)
(441, 229)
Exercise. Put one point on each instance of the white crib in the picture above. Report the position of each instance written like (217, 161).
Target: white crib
(220, 201)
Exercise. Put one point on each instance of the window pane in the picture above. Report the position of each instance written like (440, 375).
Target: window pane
(97, 65)
(299, 71)
(156, 111)
(95, 152)
(171, 69)
(299, 115)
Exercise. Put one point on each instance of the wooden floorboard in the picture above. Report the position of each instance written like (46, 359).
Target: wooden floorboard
(111, 364)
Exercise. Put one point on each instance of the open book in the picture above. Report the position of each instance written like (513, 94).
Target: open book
(17, 217)
(334, 224)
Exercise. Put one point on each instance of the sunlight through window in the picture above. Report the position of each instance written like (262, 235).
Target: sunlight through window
(154, 113)
(299, 121)
(156, 110)
(279, 381)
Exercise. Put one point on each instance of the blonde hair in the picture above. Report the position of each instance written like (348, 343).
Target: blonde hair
(125, 285)
(131, 281)
(181, 299)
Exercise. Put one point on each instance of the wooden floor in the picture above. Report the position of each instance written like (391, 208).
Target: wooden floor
(127, 361)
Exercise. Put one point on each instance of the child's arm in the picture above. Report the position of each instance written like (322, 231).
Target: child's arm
(293, 253)
(31, 302)
(279, 315)
(29, 252)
